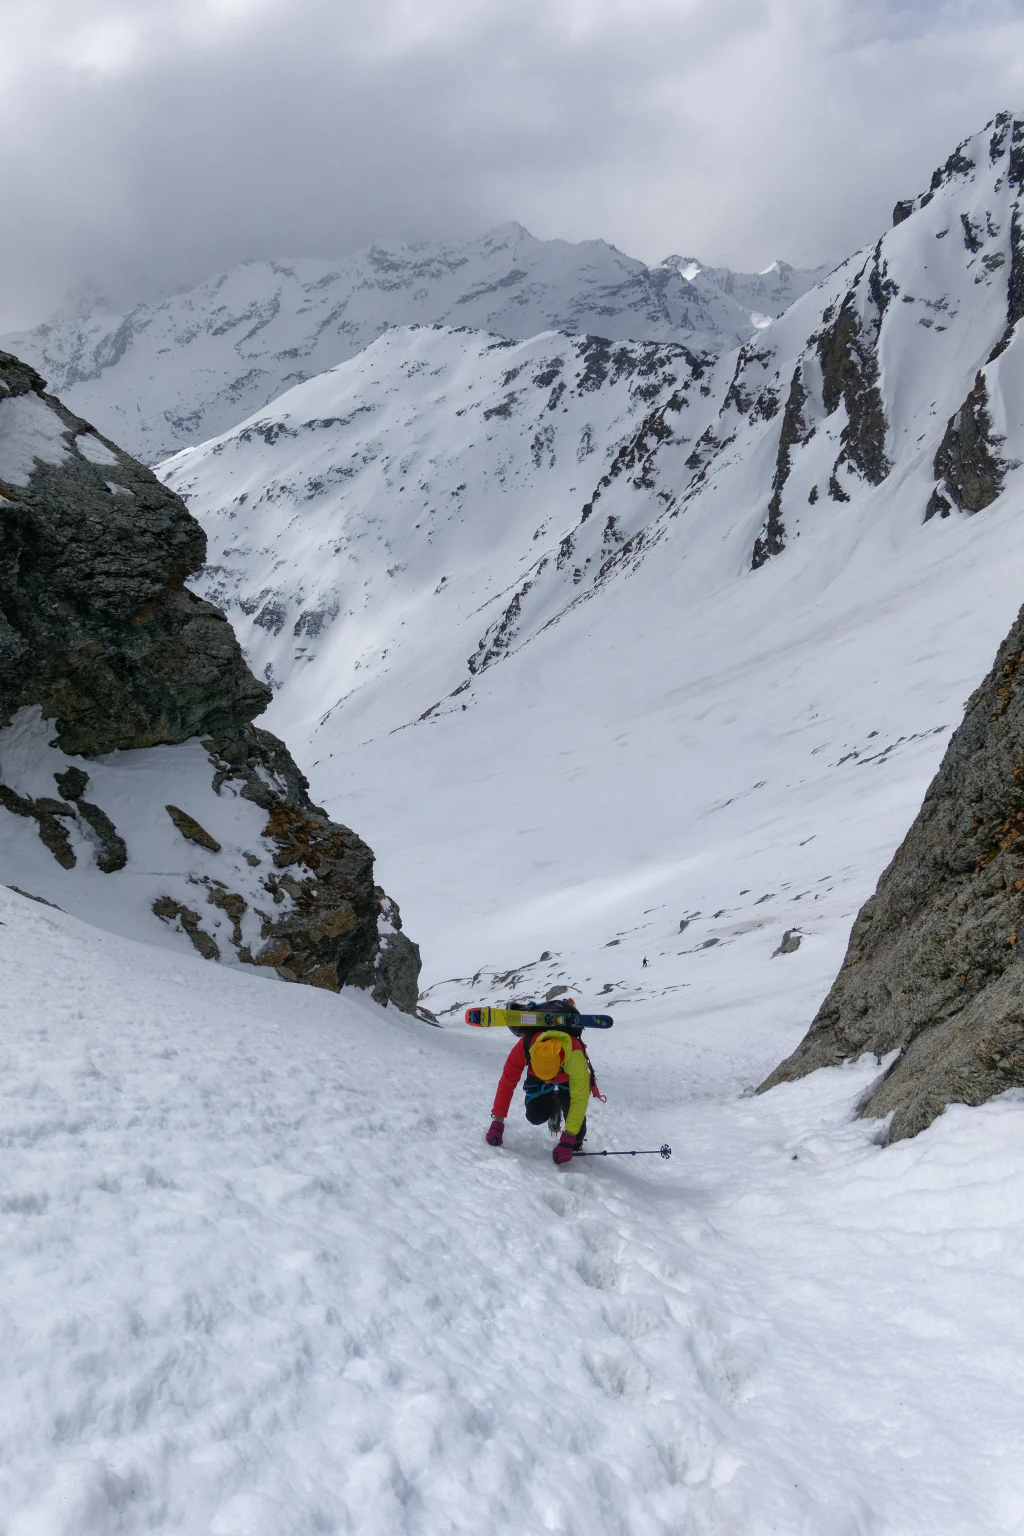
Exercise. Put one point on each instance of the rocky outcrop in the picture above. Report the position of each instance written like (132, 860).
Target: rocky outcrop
(191, 829)
(397, 961)
(113, 851)
(98, 625)
(932, 970)
(48, 813)
(772, 538)
(1015, 177)
(1015, 282)
(849, 376)
(968, 466)
(98, 630)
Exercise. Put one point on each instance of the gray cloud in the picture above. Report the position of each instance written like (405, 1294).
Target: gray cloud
(159, 140)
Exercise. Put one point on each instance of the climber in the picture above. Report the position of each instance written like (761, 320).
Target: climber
(559, 1081)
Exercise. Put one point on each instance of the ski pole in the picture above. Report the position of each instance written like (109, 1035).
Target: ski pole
(665, 1152)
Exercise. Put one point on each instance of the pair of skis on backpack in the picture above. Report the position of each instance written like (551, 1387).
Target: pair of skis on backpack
(536, 1016)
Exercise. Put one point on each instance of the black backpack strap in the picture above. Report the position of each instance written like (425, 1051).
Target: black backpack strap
(527, 1042)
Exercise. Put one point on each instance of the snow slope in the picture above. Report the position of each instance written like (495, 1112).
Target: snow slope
(407, 493)
(174, 372)
(133, 788)
(262, 1276)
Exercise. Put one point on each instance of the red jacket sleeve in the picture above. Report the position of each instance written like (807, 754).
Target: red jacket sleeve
(514, 1068)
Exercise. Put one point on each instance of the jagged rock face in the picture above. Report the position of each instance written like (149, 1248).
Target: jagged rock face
(1015, 286)
(322, 920)
(97, 625)
(858, 357)
(932, 969)
(968, 466)
(100, 637)
(849, 376)
(772, 538)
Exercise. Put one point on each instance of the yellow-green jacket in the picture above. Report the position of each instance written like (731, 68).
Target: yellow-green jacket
(575, 1072)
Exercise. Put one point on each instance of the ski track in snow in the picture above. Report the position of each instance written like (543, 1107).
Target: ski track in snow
(262, 1276)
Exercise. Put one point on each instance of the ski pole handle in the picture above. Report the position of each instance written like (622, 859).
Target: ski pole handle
(665, 1152)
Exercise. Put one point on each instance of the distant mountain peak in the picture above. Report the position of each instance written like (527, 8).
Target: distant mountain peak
(177, 370)
(510, 229)
(1002, 137)
(686, 266)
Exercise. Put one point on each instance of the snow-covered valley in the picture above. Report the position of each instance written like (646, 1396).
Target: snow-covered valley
(633, 665)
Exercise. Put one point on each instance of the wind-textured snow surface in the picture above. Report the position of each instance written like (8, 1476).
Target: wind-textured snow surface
(175, 372)
(263, 1277)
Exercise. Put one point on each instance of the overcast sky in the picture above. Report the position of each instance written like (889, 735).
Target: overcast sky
(158, 141)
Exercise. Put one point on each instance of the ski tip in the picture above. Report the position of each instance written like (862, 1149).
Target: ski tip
(473, 1015)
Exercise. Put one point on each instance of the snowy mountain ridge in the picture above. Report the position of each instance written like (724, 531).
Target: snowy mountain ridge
(410, 489)
(172, 373)
(764, 295)
(516, 479)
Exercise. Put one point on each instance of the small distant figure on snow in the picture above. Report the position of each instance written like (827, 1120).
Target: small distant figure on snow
(645, 962)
